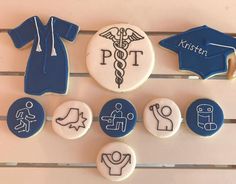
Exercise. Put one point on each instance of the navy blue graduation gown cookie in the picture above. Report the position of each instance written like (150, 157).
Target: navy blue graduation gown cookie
(202, 50)
(25, 117)
(47, 68)
(118, 118)
(204, 117)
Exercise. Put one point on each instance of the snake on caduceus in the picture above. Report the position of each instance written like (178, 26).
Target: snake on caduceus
(121, 40)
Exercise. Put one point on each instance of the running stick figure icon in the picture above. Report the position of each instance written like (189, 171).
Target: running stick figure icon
(25, 118)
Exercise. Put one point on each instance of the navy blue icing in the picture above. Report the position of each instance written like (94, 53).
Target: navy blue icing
(204, 117)
(118, 117)
(47, 68)
(25, 117)
(202, 50)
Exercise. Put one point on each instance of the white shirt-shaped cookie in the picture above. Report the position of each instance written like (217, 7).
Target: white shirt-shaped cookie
(120, 57)
(116, 161)
(162, 117)
(72, 119)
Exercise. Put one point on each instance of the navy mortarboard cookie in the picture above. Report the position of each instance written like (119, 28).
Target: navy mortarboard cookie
(72, 119)
(162, 117)
(25, 117)
(202, 50)
(118, 117)
(204, 117)
(120, 57)
(47, 68)
(116, 161)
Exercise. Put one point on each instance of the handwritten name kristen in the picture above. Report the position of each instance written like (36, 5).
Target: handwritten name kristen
(191, 47)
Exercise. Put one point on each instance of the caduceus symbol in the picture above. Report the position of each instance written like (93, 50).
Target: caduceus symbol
(121, 39)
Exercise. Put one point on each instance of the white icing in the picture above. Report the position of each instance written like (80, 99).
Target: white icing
(72, 119)
(116, 161)
(120, 63)
(162, 117)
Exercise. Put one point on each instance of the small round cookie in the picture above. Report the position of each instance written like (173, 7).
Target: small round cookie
(116, 161)
(204, 117)
(162, 117)
(118, 118)
(72, 119)
(25, 117)
(120, 57)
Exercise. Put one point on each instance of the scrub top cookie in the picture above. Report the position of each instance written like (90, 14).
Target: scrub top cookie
(25, 117)
(204, 117)
(120, 57)
(47, 69)
(118, 118)
(72, 119)
(162, 117)
(116, 161)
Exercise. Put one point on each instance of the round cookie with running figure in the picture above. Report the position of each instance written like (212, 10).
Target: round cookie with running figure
(72, 119)
(116, 161)
(25, 117)
(120, 57)
(162, 117)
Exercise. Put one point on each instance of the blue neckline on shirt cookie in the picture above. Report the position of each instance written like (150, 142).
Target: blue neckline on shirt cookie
(118, 117)
(25, 117)
(204, 117)
(47, 68)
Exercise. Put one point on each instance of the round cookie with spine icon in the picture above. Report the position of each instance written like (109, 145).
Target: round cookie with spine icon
(204, 117)
(72, 119)
(118, 118)
(162, 117)
(120, 57)
(116, 161)
(25, 117)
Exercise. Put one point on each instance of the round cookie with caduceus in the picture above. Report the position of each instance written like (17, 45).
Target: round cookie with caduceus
(162, 117)
(72, 119)
(120, 57)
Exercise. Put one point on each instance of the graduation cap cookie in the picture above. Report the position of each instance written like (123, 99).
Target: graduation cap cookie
(202, 50)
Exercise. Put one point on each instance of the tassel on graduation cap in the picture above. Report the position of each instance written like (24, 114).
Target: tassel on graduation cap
(204, 51)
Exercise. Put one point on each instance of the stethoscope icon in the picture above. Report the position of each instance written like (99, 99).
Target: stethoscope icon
(205, 117)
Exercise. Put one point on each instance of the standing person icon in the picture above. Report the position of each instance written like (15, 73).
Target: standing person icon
(115, 162)
(25, 118)
(117, 112)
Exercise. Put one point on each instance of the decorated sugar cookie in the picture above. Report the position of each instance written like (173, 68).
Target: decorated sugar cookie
(204, 117)
(116, 161)
(120, 57)
(162, 117)
(47, 68)
(202, 50)
(72, 119)
(118, 118)
(25, 117)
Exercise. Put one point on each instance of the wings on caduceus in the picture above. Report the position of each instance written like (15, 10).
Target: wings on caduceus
(132, 35)
(121, 39)
(111, 34)
(129, 35)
